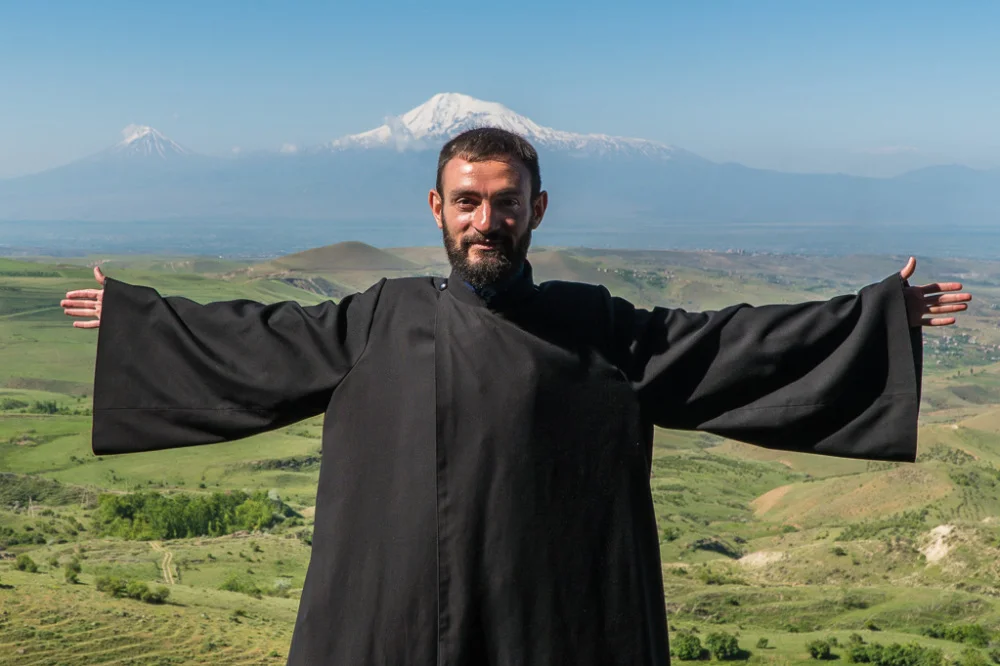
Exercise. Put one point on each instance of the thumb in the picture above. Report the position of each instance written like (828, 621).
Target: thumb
(907, 271)
(98, 275)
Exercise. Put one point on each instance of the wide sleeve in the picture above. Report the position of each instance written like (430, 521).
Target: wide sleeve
(840, 377)
(171, 372)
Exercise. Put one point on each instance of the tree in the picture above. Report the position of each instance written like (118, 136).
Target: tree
(819, 649)
(723, 646)
(687, 647)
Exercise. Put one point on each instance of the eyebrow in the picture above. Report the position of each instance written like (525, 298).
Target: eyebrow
(472, 193)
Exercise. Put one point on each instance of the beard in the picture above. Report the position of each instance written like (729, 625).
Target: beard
(493, 264)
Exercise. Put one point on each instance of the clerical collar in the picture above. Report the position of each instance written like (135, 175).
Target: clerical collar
(496, 295)
(491, 291)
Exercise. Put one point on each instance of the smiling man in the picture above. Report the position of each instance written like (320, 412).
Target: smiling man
(484, 495)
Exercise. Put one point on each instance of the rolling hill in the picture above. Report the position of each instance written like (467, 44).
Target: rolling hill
(760, 544)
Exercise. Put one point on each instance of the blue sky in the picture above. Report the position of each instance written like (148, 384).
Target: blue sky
(863, 87)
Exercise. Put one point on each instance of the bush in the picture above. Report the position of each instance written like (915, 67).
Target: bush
(838, 551)
(894, 655)
(971, 634)
(972, 657)
(25, 563)
(819, 649)
(671, 534)
(687, 647)
(995, 655)
(239, 582)
(723, 646)
(762, 643)
(72, 570)
(122, 587)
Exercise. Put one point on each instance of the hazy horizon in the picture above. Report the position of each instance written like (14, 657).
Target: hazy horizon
(858, 89)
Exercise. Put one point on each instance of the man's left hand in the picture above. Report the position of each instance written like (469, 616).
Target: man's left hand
(930, 299)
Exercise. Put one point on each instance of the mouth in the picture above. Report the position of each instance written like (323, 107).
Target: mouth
(486, 244)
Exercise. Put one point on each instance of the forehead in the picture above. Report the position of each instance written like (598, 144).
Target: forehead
(492, 174)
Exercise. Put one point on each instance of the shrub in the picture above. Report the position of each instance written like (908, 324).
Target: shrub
(723, 646)
(894, 655)
(238, 582)
(762, 643)
(819, 649)
(972, 657)
(687, 647)
(122, 587)
(72, 570)
(971, 634)
(838, 551)
(25, 563)
(671, 534)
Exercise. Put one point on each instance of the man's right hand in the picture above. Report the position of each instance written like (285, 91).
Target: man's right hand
(85, 303)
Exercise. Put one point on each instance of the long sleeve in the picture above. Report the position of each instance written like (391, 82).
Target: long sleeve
(171, 372)
(840, 377)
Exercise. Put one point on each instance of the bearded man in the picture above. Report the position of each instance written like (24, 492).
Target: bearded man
(484, 494)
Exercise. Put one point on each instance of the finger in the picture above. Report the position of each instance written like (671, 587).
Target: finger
(939, 321)
(947, 298)
(907, 271)
(87, 324)
(98, 275)
(940, 286)
(84, 293)
(81, 312)
(77, 304)
(941, 309)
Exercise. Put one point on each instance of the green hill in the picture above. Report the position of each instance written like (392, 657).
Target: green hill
(789, 547)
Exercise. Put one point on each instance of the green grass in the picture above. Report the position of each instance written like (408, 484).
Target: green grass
(716, 501)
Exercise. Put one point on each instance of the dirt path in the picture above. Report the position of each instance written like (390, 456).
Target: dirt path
(168, 559)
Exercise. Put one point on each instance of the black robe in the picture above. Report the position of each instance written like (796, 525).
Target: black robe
(484, 492)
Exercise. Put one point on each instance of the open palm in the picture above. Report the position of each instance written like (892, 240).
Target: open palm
(930, 299)
(85, 303)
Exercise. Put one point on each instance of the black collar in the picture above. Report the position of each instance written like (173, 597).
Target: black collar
(518, 290)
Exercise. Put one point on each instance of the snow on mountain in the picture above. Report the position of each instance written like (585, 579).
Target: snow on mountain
(144, 141)
(447, 114)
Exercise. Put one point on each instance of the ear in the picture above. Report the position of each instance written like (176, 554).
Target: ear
(436, 203)
(538, 207)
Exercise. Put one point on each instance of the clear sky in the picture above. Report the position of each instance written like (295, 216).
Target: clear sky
(858, 86)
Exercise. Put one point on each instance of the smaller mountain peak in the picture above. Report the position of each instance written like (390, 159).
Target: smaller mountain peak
(136, 132)
(146, 140)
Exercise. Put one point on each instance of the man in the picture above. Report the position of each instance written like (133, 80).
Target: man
(484, 495)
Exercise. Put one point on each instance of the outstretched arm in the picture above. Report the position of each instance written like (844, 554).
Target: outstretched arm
(171, 372)
(840, 377)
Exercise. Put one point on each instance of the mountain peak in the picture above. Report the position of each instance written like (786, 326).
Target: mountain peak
(445, 115)
(143, 140)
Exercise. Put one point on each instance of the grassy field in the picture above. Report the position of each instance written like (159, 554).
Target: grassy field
(789, 547)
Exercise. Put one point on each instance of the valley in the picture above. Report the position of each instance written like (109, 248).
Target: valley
(776, 549)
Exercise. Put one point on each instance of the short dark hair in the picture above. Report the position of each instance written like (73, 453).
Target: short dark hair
(485, 143)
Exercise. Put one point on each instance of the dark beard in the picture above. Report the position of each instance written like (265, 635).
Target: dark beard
(493, 265)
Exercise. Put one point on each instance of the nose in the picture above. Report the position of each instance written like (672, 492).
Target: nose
(486, 219)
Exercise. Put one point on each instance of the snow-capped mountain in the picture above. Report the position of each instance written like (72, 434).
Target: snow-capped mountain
(445, 115)
(144, 141)
(595, 181)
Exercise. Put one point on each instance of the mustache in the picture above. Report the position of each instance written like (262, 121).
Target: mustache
(477, 236)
